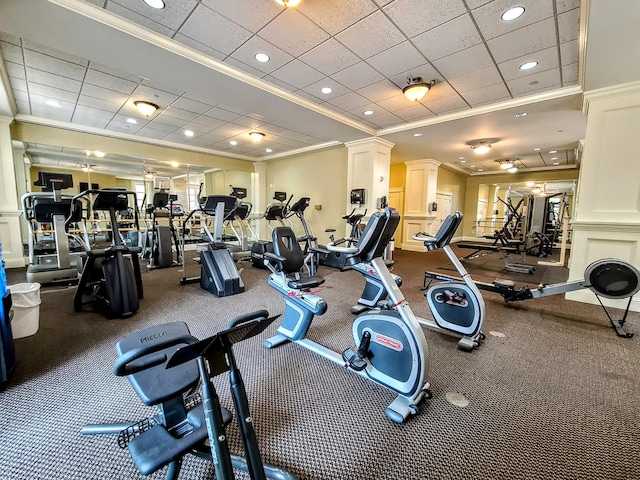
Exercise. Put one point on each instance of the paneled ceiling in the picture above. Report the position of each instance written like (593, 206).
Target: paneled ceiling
(196, 60)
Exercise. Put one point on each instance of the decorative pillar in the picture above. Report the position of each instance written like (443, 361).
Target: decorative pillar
(10, 210)
(368, 168)
(420, 195)
(607, 210)
(259, 196)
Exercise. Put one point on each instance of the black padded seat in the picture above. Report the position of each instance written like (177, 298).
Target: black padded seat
(445, 232)
(289, 259)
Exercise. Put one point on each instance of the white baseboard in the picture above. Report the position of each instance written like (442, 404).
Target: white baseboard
(586, 296)
(15, 262)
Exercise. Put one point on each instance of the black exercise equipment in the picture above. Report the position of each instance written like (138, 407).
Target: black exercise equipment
(111, 276)
(275, 212)
(164, 365)
(337, 259)
(609, 278)
(158, 248)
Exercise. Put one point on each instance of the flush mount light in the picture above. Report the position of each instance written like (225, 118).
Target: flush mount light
(326, 90)
(416, 88)
(233, 142)
(262, 57)
(268, 150)
(553, 151)
(53, 103)
(482, 146)
(148, 175)
(554, 158)
(556, 163)
(288, 3)
(481, 169)
(417, 134)
(536, 190)
(188, 133)
(174, 164)
(256, 136)
(157, 4)
(85, 168)
(146, 108)
(505, 164)
(132, 121)
(512, 14)
(368, 112)
(528, 65)
(530, 184)
(513, 170)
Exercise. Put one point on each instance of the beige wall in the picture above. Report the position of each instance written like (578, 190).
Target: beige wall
(104, 181)
(321, 176)
(397, 175)
(455, 183)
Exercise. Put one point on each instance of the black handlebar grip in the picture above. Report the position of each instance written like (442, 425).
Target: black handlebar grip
(247, 318)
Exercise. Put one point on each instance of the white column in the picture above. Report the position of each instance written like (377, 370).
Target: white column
(368, 168)
(607, 212)
(421, 186)
(259, 196)
(10, 209)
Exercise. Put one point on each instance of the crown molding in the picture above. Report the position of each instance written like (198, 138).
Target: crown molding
(365, 141)
(298, 151)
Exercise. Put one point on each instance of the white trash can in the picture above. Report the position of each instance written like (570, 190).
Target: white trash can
(26, 309)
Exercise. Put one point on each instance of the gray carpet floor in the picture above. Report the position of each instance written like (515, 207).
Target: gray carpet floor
(555, 395)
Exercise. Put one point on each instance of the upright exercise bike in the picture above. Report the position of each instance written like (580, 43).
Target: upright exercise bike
(391, 348)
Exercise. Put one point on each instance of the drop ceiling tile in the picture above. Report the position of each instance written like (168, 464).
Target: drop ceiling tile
(90, 121)
(199, 142)
(446, 105)
(330, 57)
(15, 70)
(397, 102)
(106, 81)
(565, 5)
(543, 80)
(336, 15)
(206, 123)
(386, 35)
(293, 32)
(466, 61)
(190, 42)
(18, 84)
(140, 19)
(440, 91)
(248, 122)
(243, 67)
(298, 74)
(569, 25)
(529, 39)
(184, 115)
(212, 29)
(357, 76)
(23, 107)
(547, 59)
(246, 54)
(52, 93)
(230, 130)
(486, 95)
(477, 3)
(382, 3)
(185, 103)
(387, 120)
(177, 137)
(53, 65)
(416, 111)
(112, 71)
(104, 94)
(5, 37)
(163, 87)
(218, 113)
(491, 25)
(449, 38)
(349, 101)
(123, 126)
(397, 59)
(279, 83)
(377, 111)
(314, 90)
(245, 12)
(475, 80)
(51, 113)
(414, 17)
(167, 121)
(149, 132)
(20, 96)
(426, 72)
(379, 91)
(570, 74)
(45, 78)
(11, 53)
(97, 103)
(171, 16)
(569, 52)
(55, 53)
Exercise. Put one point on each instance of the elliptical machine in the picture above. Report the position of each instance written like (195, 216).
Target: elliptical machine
(391, 349)
(457, 307)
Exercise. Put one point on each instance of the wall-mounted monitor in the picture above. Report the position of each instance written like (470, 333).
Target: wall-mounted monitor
(47, 180)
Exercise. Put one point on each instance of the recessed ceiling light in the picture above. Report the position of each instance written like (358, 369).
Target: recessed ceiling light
(536, 149)
(481, 169)
(268, 150)
(512, 14)
(520, 115)
(417, 134)
(554, 158)
(188, 133)
(262, 57)
(132, 121)
(53, 103)
(326, 90)
(233, 142)
(460, 158)
(368, 112)
(553, 151)
(99, 154)
(157, 4)
(174, 164)
(528, 65)
(472, 166)
(463, 161)
(288, 3)
(556, 163)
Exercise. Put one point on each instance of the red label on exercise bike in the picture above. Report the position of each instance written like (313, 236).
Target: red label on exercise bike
(388, 342)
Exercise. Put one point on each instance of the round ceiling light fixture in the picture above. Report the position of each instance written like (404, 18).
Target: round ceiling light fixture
(256, 136)
(512, 170)
(146, 108)
(262, 57)
(483, 145)
(326, 90)
(528, 65)
(288, 3)
(157, 4)
(512, 14)
(416, 88)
